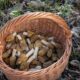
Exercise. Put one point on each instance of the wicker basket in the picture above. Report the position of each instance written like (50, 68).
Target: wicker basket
(44, 23)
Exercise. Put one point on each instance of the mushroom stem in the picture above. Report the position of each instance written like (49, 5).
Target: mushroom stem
(55, 44)
(19, 37)
(28, 41)
(14, 34)
(27, 48)
(18, 53)
(30, 53)
(36, 51)
(30, 59)
(33, 56)
(51, 38)
(45, 42)
(14, 52)
(25, 33)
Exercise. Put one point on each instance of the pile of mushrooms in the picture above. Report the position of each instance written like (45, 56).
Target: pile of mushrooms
(30, 51)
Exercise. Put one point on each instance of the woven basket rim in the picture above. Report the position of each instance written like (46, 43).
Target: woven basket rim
(32, 13)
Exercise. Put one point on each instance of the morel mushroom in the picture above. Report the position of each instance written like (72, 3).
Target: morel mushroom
(11, 37)
(13, 59)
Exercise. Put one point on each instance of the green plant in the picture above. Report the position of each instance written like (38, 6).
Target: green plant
(15, 13)
(63, 10)
(4, 3)
(1, 13)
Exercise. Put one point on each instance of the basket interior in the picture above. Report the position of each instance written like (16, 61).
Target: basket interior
(42, 26)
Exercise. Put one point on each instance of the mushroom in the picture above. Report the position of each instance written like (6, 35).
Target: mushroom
(46, 64)
(6, 54)
(34, 38)
(30, 53)
(13, 59)
(38, 67)
(31, 45)
(34, 56)
(42, 51)
(49, 53)
(47, 44)
(41, 37)
(21, 59)
(50, 38)
(11, 37)
(35, 62)
(41, 59)
(36, 52)
(19, 37)
(25, 33)
(28, 41)
(24, 57)
(23, 44)
(55, 44)
(18, 53)
(30, 33)
(8, 45)
(24, 66)
(54, 57)
(38, 44)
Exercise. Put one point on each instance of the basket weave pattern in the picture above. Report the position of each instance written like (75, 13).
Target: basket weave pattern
(43, 23)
